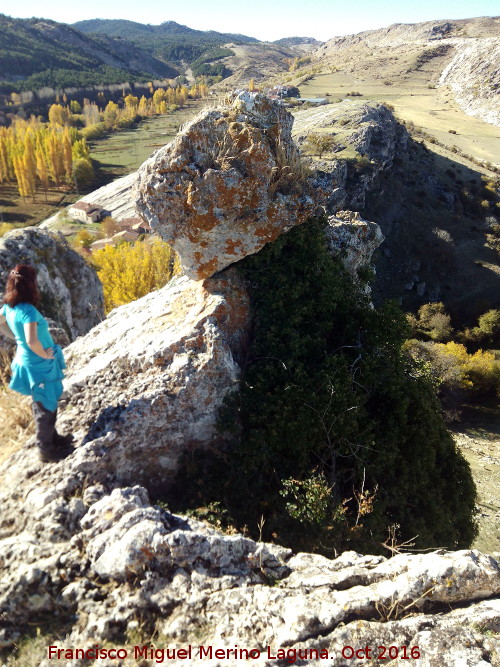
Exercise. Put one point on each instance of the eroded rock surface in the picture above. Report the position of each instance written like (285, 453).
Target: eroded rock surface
(114, 563)
(145, 386)
(474, 77)
(229, 183)
(71, 291)
(354, 239)
(370, 131)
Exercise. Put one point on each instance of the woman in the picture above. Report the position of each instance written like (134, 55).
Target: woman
(38, 364)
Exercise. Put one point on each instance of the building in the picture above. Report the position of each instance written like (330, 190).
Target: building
(127, 235)
(281, 91)
(135, 224)
(101, 243)
(86, 212)
(312, 100)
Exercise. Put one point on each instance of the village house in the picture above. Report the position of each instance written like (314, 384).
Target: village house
(280, 91)
(86, 212)
(136, 224)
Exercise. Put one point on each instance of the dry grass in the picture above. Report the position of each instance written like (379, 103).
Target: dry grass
(16, 422)
(290, 173)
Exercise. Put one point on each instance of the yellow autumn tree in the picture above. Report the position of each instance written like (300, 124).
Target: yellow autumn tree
(129, 271)
(58, 115)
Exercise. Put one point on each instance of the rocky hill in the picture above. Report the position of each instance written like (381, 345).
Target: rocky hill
(462, 54)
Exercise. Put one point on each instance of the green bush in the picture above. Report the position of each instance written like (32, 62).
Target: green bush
(330, 409)
(432, 322)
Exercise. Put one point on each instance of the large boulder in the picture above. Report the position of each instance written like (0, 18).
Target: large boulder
(229, 183)
(144, 387)
(71, 291)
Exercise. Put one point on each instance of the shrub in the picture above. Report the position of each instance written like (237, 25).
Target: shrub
(480, 371)
(94, 131)
(129, 271)
(433, 322)
(487, 331)
(318, 144)
(329, 410)
(83, 172)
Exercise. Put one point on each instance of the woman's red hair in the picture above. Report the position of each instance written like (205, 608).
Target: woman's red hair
(22, 286)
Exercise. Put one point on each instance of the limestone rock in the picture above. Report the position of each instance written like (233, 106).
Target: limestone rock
(144, 386)
(354, 239)
(474, 78)
(370, 129)
(122, 563)
(71, 291)
(229, 183)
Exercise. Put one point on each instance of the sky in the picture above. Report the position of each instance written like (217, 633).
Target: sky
(264, 19)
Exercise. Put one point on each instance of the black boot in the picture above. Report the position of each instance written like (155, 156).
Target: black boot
(50, 449)
(62, 440)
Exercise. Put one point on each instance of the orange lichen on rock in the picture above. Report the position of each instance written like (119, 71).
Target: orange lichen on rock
(215, 194)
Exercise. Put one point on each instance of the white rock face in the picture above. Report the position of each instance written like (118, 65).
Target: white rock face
(474, 77)
(113, 562)
(147, 382)
(370, 129)
(71, 291)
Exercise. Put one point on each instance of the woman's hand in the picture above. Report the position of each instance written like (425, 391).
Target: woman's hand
(49, 351)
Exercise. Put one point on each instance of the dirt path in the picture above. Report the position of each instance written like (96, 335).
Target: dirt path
(478, 436)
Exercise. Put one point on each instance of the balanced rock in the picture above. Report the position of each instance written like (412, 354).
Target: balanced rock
(145, 385)
(229, 183)
(70, 289)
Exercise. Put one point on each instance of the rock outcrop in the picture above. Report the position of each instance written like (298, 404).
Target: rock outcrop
(368, 130)
(474, 77)
(354, 239)
(144, 386)
(122, 568)
(71, 291)
(229, 183)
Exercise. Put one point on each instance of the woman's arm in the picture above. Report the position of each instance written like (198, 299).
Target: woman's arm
(31, 333)
(4, 328)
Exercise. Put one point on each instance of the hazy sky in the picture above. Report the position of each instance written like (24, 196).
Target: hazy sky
(264, 19)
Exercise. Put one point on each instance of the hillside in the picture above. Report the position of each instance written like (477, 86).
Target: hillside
(458, 55)
(39, 52)
(168, 41)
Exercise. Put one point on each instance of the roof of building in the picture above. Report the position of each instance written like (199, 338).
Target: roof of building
(142, 225)
(129, 222)
(97, 245)
(126, 235)
(85, 206)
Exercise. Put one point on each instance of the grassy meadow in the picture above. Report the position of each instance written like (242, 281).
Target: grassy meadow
(122, 152)
(432, 109)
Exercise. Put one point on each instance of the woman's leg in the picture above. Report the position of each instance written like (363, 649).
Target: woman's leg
(47, 437)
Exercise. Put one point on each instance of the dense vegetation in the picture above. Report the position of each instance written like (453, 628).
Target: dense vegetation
(46, 53)
(339, 434)
(132, 270)
(169, 41)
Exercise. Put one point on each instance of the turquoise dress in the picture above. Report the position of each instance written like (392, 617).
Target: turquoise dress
(31, 374)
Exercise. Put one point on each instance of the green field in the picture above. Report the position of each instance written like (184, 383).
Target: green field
(122, 152)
